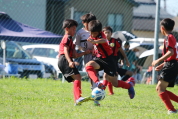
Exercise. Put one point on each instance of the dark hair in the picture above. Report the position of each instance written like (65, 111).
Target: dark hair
(107, 28)
(69, 23)
(126, 43)
(88, 17)
(95, 26)
(168, 24)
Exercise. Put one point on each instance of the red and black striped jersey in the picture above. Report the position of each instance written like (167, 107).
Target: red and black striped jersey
(102, 49)
(67, 41)
(115, 45)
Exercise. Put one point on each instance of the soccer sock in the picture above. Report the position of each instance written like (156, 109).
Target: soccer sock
(110, 87)
(165, 98)
(123, 84)
(93, 85)
(172, 96)
(77, 89)
(105, 83)
(92, 73)
(125, 77)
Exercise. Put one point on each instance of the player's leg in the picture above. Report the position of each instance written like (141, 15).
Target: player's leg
(110, 87)
(91, 68)
(161, 89)
(126, 85)
(105, 81)
(109, 84)
(167, 79)
(77, 90)
(172, 96)
(77, 86)
(126, 75)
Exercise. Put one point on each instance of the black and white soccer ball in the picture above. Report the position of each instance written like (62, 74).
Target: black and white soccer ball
(98, 94)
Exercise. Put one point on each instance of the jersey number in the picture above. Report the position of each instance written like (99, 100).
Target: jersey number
(85, 45)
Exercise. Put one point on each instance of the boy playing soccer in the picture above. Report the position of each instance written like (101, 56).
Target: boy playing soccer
(169, 67)
(116, 48)
(66, 64)
(81, 42)
(104, 59)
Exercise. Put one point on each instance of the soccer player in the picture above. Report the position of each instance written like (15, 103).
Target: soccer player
(81, 42)
(104, 59)
(169, 67)
(116, 48)
(66, 64)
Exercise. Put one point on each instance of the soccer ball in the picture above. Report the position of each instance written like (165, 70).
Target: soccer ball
(98, 94)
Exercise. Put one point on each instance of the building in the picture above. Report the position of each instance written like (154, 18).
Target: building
(49, 14)
(115, 13)
(144, 18)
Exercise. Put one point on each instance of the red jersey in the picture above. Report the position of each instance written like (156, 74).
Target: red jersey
(67, 41)
(102, 49)
(115, 45)
(170, 41)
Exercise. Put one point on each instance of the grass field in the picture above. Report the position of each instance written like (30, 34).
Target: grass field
(50, 99)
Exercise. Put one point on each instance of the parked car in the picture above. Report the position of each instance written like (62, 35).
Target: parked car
(18, 61)
(124, 35)
(46, 53)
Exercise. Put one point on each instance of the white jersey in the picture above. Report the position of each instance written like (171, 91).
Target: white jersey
(81, 39)
(81, 42)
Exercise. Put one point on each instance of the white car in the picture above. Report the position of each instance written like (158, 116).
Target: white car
(46, 53)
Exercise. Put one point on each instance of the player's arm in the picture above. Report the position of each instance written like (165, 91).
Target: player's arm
(124, 55)
(66, 53)
(158, 68)
(169, 53)
(76, 55)
(102, 40)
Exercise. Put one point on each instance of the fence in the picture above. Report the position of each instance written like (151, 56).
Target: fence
(33, 29)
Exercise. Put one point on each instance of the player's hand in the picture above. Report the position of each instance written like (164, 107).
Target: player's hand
(76, 63)
(154, 63)
(90, 40)
(88, 51)
(127, 63)
(71, 64)
(158, 68)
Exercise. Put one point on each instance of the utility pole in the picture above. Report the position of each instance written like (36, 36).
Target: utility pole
(72, 12)
(165, 5)
(3, 46)
(156, 36)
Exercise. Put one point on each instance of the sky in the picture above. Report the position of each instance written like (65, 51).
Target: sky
(171, 6)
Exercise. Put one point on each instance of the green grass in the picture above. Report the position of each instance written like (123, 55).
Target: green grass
(50, 99)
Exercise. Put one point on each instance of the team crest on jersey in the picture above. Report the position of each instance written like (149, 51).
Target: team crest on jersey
(112, 44)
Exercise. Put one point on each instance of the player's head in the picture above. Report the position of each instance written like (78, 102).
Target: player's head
(70, 26)
(108, 32)
(167, 25)
(87, 18)
(127, 45)
(95, 27)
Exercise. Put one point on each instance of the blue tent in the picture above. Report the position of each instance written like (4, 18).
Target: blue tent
(14, 31)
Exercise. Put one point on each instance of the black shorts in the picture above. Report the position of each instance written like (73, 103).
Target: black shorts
(107, 64)
(65, 69)
(169, 72)
(121, 71)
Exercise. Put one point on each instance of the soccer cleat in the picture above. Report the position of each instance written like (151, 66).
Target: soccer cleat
(96, 103)
(81, 100)
(131, 90)
(131, 79)
(172, 112)
(100, 85)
